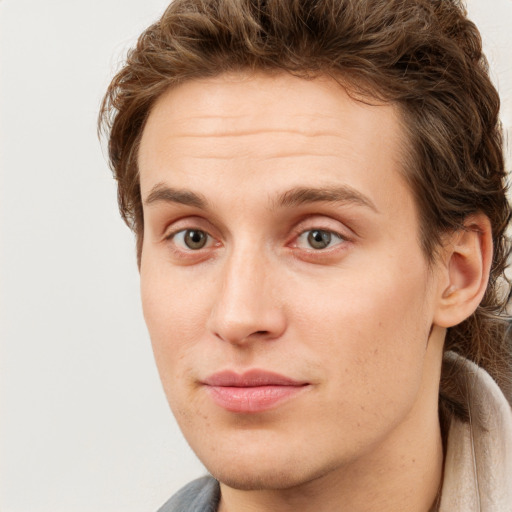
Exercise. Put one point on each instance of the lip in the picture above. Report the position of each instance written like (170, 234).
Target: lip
(252, 391)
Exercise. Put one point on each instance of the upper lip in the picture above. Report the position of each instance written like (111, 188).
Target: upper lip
(251, 378)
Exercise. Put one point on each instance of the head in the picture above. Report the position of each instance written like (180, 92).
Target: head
(414, 68)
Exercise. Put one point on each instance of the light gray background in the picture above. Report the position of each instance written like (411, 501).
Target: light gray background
(84, 425)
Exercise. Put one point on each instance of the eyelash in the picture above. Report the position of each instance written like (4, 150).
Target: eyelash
(322, 236)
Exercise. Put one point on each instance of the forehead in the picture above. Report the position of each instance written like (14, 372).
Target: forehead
(247, 103)
(274, 131)
(319, 99)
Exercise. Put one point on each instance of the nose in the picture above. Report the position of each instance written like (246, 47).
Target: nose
(247, 306)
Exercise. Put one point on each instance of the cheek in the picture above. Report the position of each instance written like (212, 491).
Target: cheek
(365, 301)
(370, 329)
(174, 312)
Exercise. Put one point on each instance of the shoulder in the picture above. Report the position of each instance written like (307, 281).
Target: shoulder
(201, 495)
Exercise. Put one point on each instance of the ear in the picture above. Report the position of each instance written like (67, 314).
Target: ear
(464, 272)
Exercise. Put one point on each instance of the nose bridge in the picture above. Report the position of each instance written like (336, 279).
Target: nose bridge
(246, 307)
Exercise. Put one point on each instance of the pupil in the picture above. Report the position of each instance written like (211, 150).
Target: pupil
(195, 239)
(319, 239)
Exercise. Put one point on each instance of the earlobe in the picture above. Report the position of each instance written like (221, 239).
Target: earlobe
(467, 257)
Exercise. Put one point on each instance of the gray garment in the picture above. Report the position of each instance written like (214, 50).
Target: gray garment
(201, 495)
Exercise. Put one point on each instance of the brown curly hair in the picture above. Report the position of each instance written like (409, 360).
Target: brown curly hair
(424, 56)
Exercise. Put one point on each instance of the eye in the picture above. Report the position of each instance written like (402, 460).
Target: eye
(318, 239)
(191, 239)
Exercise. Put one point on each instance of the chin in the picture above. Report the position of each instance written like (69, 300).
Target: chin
(250, 479)
(257, 474)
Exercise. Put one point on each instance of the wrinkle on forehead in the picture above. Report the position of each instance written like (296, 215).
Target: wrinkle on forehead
(214, 132)
(210, 117)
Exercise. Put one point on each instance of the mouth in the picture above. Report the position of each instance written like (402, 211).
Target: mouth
(253, 391)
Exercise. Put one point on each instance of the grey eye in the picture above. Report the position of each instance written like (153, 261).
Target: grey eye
(319, 239)
(195, 239)
(192, 239)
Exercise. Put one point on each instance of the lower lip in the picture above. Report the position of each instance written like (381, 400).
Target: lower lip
(252, 399)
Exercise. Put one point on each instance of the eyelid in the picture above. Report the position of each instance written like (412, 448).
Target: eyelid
(324, 223)
(188, 222)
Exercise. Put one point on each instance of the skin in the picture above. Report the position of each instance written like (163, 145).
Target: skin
(360, 321)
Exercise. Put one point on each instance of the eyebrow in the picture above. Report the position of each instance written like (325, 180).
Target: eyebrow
(335, 194)
(291, 198)
(163, 193)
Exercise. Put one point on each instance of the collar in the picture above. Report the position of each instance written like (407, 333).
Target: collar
(478, 461)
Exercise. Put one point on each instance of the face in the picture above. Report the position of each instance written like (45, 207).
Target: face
(285, 291)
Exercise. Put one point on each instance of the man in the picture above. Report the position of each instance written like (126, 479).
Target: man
(317, 190)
